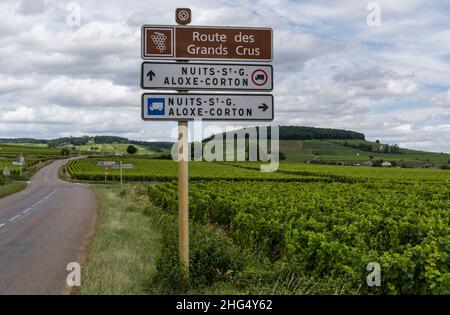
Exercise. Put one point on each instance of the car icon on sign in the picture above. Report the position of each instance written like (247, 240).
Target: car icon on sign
(260, 77)
(156, 106)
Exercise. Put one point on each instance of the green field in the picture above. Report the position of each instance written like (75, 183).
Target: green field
(122, 255)
(11, 150)
(301, 151)
(306, 228)
(355, 173)
(8, 163)
(331, 230)
(164, 170)
(318, 224)
(112, 148)
(32, 150)
(10, 187)
(25, 144)
(336, 152)
(146, 169)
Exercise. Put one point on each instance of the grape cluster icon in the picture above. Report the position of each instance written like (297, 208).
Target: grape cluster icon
(159, 40)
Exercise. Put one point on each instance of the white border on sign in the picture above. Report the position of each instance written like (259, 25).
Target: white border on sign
(207, 119)
(157, 56)
(204, 88)
(202, 27)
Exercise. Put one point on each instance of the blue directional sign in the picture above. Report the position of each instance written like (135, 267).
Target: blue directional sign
(190, 106)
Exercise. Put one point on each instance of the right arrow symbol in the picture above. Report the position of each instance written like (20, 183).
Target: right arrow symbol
(264, 107)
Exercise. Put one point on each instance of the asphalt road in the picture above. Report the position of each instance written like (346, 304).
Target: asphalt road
(42, 229)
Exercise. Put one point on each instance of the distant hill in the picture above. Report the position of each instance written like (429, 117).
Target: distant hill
(308, 133)
(156, 146)
(353, 152)
(23, 140)
(335, 146)
(89, 143)
(80, 141)
(297, 145)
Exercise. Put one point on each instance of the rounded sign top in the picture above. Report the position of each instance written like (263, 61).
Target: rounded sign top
(183, 15)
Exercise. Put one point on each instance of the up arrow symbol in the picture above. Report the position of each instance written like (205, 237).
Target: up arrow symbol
(150, 75)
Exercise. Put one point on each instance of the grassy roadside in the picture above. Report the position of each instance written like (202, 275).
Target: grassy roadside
(122, 254)
(135, 251)
(11, 188)
(17, 183)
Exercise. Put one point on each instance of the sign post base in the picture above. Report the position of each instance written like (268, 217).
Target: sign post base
(183, 197)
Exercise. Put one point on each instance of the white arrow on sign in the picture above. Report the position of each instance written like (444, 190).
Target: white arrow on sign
(206, 76)
(182, 106)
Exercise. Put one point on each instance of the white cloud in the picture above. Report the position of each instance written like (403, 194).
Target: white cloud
(331, 69)
(88, 93)
(441, 99)
(13, 83)
(30, 7)
(401, 88)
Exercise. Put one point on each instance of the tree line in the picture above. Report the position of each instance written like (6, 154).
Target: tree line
(379, 148)
(302, 133)
(76, 141)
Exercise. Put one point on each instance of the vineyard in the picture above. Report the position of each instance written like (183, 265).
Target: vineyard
(164, 170)
(326, 222)
(12, 151)
(356, 173)
(146, 169)
(334, 229)
(8, 163)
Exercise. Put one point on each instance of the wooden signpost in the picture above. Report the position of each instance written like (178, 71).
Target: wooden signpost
(182, 43)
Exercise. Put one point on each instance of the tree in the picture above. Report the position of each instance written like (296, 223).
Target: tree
(395, 149)
(65, 152)
(378, 141)
(132, 149)
(377, 163)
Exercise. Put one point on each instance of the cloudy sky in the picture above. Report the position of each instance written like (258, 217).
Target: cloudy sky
(333, 69)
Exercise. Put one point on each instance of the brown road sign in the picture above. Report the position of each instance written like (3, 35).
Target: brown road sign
(206, 43)
(183, 15)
